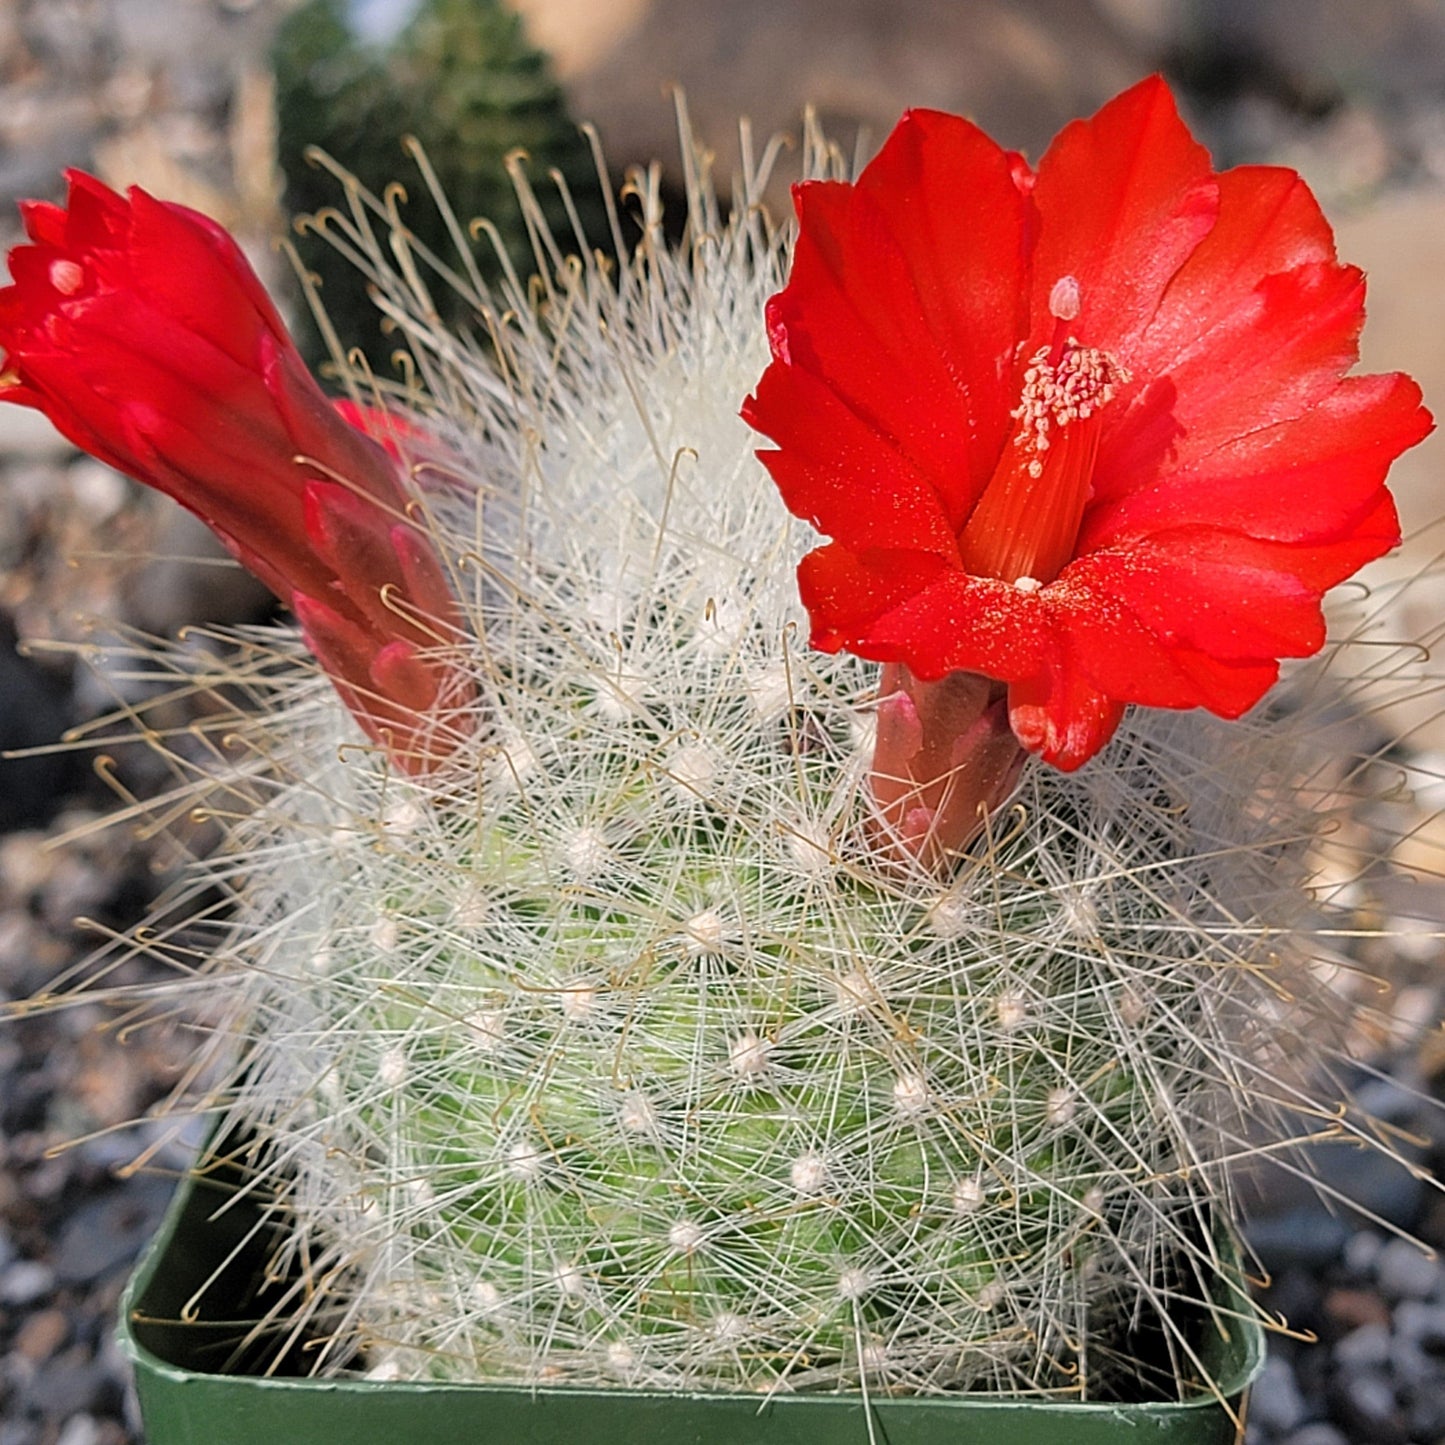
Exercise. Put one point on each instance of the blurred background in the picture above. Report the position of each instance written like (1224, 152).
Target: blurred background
(214, 103)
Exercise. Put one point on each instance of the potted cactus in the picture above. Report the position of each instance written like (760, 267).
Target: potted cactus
(685, 978)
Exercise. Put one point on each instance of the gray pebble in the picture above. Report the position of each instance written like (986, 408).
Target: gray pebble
(1427, 1415)
(1364, 1348)
(1414, 1369)
(1275, 1403)
(1318, 1432)
(1388, 1099)
(1305, 1238)
(26, 1281)
(1422, 1323)
(1369, 1403)
(1405, 1271)
(70, 1383)
(108, 1231)
(1361, 1252)
(79, 1430)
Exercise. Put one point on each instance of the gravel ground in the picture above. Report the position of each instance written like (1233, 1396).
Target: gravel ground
(1365, 1362)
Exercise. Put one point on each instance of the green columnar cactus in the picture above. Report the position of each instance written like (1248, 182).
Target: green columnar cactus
(619, 1052)
(461, 79)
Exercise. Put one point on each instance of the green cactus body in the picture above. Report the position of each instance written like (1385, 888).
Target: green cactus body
(617, 1052)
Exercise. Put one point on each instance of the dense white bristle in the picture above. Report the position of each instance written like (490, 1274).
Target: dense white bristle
(614, 1050)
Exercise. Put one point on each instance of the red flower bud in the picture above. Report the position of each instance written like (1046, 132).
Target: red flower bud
(138, 327)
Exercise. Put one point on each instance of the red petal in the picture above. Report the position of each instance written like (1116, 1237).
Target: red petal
(905, 301)
(96, 217)
(1268, 222)
(427, 595)
(1274, 355)
(1059, 714)
(44, 221)
(317, 434)
(347, 654)
(955, 213)
(1211, 590)
(1131, 659)
(193, 272)
(1123, 201)
(1301, 480)
(960, 623)
(838, 474)
(1227, 689)
(845, 594)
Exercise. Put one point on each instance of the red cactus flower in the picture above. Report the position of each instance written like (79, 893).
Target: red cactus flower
(1083, 434)
(140, 330)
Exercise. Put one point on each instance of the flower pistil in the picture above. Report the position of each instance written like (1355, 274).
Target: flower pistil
(1024, 526)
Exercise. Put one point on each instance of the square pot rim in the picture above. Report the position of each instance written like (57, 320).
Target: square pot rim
(1242, 1358)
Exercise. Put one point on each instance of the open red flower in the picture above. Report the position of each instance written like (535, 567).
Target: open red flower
(1085, 431)
(140, 329)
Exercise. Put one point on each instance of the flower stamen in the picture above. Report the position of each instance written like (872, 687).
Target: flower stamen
(1025, 524)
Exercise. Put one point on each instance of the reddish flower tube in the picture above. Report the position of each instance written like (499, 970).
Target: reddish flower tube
(138, 327)
(1085, 433)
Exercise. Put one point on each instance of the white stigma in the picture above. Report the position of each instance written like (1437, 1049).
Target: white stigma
(1065, 298)
(1027, 584)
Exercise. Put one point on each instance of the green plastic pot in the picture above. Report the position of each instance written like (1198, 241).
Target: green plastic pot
(195, 1295)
